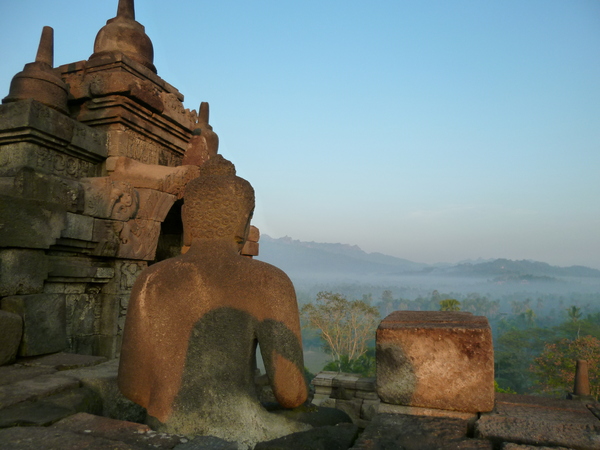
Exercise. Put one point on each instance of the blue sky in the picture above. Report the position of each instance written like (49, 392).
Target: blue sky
(429, 130)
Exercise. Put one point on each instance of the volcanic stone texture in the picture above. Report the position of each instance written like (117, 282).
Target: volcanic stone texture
(442, 360)
(540, 421)
(11, 330)
(404, 432)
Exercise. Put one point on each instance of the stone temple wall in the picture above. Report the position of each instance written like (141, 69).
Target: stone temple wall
(92, 171)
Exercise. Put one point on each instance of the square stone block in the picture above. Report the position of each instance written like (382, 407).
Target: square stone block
(22, 271)
(442, 360)
(29, 223)
(79, 227)
(44, 322)
(11, 329)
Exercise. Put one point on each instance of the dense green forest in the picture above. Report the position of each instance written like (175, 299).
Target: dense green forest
(537, 338)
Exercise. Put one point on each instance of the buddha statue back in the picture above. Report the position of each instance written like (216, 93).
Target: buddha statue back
(194, 323)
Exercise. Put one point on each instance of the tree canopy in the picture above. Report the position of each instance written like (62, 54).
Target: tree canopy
(346, 326)
(554, 369)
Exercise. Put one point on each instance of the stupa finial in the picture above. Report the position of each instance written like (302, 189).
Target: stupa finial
(38, 81)
(204, 112)
(122, 34)
(126, 9)
(45, 53)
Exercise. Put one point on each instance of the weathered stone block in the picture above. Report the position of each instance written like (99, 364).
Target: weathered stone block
(138, 239)
(343, 393)
(134, 239)
(253, 234)
(109, 346)
(318, 399)
(107, 237)
(29, 223)
(11, 330)
(77, 288)
(323, 390)
(366, 395)
(366, 384)
(54, 288)
(110, 306)
(16, 156)
(386, 408)
(44, 322)
(78, 227)
(126, 273)
(80, 269)
(85, 345)
(35, 388)
(48, 188)
(154, 205)
(171, 180)
(540, 421)
(397, 431)
(250, 249)
(27, 414)
(138, 144)
(14, 373)
(102, 379)
(369, 409)
(345, 380)
(82, 311)
(441, 360)
(22, 271)
(29, 120)
(324, 378)
(109, 199)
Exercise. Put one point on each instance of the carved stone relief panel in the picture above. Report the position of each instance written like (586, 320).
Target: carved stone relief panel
(63, 165)
(138, 239)
(134, 239)
(26, 154)
(132, 145)
(109, 199)
(154, 204)
(129, 273)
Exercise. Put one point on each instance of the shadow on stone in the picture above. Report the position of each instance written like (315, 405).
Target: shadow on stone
(338, 437)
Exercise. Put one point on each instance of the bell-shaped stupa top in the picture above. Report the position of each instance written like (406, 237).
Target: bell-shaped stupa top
(38, 80)
(122, 34)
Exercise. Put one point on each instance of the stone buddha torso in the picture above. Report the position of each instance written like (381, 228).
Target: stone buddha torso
(194, 323)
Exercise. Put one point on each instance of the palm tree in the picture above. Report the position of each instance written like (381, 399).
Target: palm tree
(449, 305)
(574, 313)
(529, 317)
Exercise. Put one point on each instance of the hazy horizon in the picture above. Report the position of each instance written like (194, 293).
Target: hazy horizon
(466, 260)
(431, 131)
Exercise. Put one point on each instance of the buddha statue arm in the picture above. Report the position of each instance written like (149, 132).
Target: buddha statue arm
(281, 347)
(133, 379)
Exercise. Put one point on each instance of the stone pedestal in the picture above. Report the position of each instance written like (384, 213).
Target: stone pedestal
(442, 360)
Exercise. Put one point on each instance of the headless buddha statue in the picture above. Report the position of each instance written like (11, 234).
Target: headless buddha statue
(194, 322)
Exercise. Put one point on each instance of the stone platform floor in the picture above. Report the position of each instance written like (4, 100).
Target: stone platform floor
(67, 401)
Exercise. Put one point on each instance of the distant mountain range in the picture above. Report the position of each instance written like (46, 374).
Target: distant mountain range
(328, 262)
